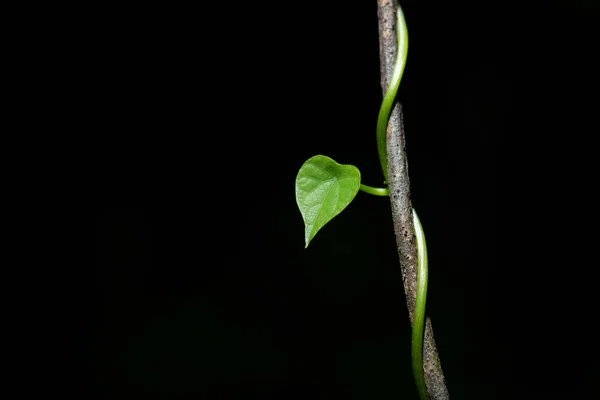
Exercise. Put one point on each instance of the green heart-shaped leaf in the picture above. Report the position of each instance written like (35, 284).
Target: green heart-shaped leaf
(323, 189)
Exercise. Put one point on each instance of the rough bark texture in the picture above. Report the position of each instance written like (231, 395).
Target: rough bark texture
(399, 186)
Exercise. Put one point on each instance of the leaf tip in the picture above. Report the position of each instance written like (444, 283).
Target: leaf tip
(307, 240)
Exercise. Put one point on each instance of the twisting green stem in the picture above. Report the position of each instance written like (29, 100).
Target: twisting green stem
(421, 292)
(375, 191)
(390, 94)
(419, 314)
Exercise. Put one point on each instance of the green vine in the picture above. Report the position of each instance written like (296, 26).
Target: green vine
(325, 188)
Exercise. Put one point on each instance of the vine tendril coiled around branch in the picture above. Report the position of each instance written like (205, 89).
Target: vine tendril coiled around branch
(390, 94)
(422, 267)
(419, 314)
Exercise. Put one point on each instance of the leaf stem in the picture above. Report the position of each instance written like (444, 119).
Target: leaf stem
(374, 191)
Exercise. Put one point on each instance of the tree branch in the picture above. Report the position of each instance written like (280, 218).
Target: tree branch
(399, 188)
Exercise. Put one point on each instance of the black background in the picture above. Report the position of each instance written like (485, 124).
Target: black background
(205, 114)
